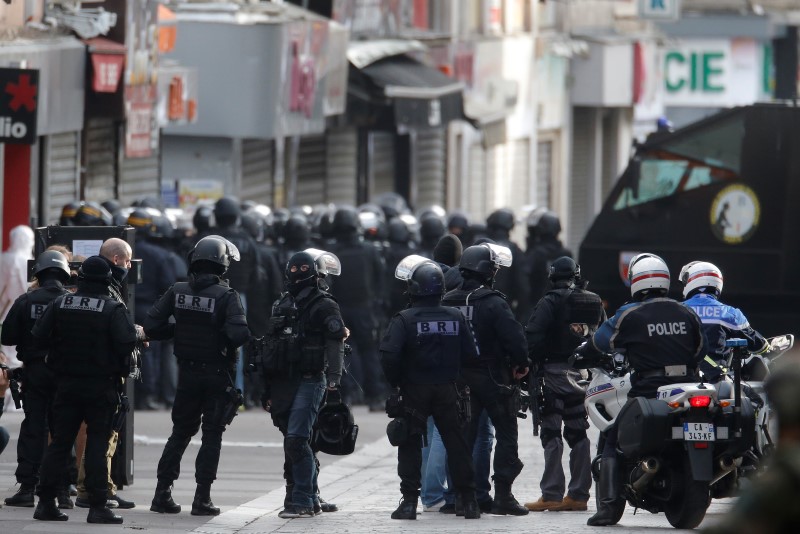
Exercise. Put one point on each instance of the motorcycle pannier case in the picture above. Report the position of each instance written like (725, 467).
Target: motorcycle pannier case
(644, 427)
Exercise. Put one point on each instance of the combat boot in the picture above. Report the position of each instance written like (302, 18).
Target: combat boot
(103, 515)
(202, 504)
(504, 501)
(610, 504)
(64, 502)
(469, 507)
(23, 497)
(47, 510)
(406, 510)
(162, 500)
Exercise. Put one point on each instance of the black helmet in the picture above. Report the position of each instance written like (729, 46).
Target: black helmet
(142, 220)
(92, 214)
(296, 229)
(203, 218)
(398, 231)
(52, 259)
(346, 220)
(253, 224)
(335, 431)
(564, 268)
(502, 219)
(431, 228)
(458, 220)
(227, 211)
(112, 206)
(478, 259)
(426, 280)
(544, 223)
(215, 249)
(68, 212)
(146, 202)
(392, 204)
(95, 269)
(163, 228)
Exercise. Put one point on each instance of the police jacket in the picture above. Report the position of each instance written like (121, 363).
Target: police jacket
(89, 333)
(540, 255)
(513, 281)
(426, 344)
(23, 315)
(314, 331)
(659, 336)
(209, 320)
(242, 272)
(499, 337)
(561, 321)
(158, 273)
(361, 281)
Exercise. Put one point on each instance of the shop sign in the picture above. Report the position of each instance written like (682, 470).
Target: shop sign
(19, 91)
(107, 72)
(139, 127)
(303, 80)
(660, 9)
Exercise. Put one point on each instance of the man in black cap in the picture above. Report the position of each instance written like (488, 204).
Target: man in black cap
(90, 339)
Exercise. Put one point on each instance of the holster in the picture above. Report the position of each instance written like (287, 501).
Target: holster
(463, 405)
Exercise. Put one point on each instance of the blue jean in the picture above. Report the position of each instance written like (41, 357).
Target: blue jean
(434, 467)
(239, 377)
(482, 459)
(302, 415)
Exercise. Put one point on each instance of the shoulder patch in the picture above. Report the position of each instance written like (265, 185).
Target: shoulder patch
(335, 325)
(195, 303)
(437, 328)
(73, 302)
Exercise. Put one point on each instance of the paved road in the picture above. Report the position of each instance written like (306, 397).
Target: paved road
(250, 489)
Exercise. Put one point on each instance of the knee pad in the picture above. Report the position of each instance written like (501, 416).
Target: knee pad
(574, 436)
(296, 448)
(549, 434)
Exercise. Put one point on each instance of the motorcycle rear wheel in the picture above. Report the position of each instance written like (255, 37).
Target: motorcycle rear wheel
(687, 506)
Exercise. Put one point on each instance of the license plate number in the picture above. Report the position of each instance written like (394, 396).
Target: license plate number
(698, 432)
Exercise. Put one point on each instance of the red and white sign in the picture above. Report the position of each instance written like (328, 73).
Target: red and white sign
(140, 124)
(107, 72)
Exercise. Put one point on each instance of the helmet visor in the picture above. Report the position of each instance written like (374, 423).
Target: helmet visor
(233, 252)
(408, 265)
(329, 260)
(369, 220)
(501, 256)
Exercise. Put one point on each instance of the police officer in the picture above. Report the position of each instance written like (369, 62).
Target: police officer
(562, 319)
(303, 359)
(358, 291)
(702, 286)
(502, 361)
(663, 341)
(512, 282)
(90, 338)
(209, 327)
(543, 248)
(422, 351)
(52, 272)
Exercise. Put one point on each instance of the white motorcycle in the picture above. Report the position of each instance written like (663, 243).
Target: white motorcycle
(677, 448)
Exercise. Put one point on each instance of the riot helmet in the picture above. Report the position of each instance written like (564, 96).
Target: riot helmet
(431, 228)
(142, 220)
(213, 253)
(304, 268)
(52, 263)
(564, 268)
(92, 214)
(483, 261)
(542, 222)
(203, 218)
(227, 211)
(392, 204)
(646, 273)
(423, 276)
(701, 277)
(398, 231)
(112, 206)
(253, 224)
(296, 230)
(335, 431)
(501, 219)
(95, 269)
(346, 220)
(458, 223)
(68, 212)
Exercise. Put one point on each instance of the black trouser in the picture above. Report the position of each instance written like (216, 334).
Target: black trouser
(93, 400)
(438, 400)
(200, 399)
(39, 387)
(365, 366)
(487, 394)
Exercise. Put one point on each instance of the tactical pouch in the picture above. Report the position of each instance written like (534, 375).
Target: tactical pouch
(233, 400)
(398, 431)
(123, 407)
(394, 405)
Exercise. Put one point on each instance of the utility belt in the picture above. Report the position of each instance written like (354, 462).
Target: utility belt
(672, 371)
(216, 368)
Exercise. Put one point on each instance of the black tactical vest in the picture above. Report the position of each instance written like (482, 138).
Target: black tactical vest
(295, 344)
(433, 344)
(578, 316)
(81, 345)
(36, 301)
(475, 305)
(198, 321)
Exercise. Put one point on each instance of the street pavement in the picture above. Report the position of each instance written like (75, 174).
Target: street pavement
(250, 490)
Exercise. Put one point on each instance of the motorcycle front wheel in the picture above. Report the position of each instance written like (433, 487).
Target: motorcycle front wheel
(687, 506)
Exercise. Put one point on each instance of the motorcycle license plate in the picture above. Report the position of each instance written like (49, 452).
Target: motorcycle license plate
(698, 432)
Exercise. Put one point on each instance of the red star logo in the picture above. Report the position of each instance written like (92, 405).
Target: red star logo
(23, 93)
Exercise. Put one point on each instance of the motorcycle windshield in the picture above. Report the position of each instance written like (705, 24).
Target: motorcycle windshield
(331, 263)
(501, 255)
(408, 265)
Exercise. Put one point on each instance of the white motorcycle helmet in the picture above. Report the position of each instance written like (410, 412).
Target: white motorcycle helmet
(647, 271)
(701, 274)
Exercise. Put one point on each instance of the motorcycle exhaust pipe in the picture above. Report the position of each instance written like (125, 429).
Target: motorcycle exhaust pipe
(725, 465)
(645, 472)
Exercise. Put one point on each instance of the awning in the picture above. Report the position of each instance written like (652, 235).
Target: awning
(402, 93)
(108, 60)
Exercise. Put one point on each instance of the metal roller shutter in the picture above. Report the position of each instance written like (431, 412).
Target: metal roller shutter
(311, 171)
(430, 160)
(101, 160)
(61, 173)
(342, 164)
(582, 154)
(544, 173)
(257, 170)
(381, 162)
(139, 178)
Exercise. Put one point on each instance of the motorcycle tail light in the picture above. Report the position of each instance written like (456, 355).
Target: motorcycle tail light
(701, 445)
(701, 401)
